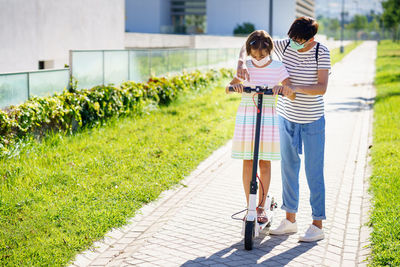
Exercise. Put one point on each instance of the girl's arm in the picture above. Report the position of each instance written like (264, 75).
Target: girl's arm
(315, 89)
(237, 85)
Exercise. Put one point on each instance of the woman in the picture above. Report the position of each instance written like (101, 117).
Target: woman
(301, 122)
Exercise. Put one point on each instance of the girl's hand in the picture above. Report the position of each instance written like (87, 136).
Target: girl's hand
(238, 87)
(277, 89)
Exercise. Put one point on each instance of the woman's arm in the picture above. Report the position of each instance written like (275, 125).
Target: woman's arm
(315, 89)
(242, 71)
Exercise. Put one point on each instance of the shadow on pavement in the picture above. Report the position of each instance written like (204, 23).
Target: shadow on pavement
(357, 104)
(285, 257)
(236, 255)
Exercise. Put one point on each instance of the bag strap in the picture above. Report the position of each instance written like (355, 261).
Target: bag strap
(286, 46)
(316, 54)
(316, 51)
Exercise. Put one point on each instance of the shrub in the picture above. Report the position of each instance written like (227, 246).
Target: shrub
(74, 109)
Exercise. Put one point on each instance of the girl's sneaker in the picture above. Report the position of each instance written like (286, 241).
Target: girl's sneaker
(286, 227)
(312, 234)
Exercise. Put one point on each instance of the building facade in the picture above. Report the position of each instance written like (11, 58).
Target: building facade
(224, 15)
(214, 17)
(38, 34)
(166, 16)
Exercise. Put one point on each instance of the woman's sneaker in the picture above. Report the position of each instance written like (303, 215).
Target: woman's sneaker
(286, 227)
(312, 234)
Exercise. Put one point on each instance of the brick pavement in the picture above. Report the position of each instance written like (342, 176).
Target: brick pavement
(191, 225)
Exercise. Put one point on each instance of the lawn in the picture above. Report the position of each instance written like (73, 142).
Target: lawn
(59, 195)
(385, 180)
(336, 56)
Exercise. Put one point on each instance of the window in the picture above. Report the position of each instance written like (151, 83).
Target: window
(45, 64)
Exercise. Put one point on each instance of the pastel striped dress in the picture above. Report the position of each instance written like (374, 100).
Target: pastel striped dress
(243, 138)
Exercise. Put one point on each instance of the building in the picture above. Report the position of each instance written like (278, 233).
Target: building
(166, 16)
(224, 15)
(213, 17)
(333, 8)
(37, 34)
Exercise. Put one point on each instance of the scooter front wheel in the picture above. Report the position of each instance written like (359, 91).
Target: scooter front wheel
(249, 235)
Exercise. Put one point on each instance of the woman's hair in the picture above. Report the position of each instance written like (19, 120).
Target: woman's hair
(303, 28)
(259, 40)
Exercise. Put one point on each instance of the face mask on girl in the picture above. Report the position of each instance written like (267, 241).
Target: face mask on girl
(296, 46)
(260, 62)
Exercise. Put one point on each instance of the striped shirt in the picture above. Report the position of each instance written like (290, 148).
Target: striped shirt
(303, 70)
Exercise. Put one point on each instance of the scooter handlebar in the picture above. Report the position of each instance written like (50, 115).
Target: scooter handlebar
(256, 89)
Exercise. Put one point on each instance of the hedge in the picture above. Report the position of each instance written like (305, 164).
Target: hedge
(74, 109)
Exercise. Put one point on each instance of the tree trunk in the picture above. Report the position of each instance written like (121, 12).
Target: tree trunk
(397, 32)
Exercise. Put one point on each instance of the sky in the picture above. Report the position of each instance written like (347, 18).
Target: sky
(332, 8)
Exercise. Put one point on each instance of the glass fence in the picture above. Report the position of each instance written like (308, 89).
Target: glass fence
(96, 67)
(16, 88)
(91, 68)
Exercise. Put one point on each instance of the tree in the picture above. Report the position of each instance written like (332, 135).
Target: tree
(391, 16)
(334, 25)
(328, 26)
(246, 28)
(373, 26)
(358, 23)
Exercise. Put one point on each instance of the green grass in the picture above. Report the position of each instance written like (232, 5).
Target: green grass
(58, 196)
(385, 179)
(336, 56)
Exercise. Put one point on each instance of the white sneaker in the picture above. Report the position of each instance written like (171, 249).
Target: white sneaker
(312, 234)
(286, 227)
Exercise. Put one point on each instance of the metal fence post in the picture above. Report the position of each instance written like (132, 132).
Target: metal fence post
(168, 64)
(70, 71)
(195, 54)
(28, 85)
(183, 61)
(208, 60)
(150, 62)
(103, 68)
(129, 65)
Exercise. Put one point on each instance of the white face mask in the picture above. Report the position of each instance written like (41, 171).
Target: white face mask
(260, 62)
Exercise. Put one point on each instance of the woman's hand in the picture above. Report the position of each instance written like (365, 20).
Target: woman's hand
(288, 90)
(277, 89)
(242, 71)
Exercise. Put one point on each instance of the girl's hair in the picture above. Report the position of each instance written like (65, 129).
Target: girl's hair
(259, 40)
(303, 28)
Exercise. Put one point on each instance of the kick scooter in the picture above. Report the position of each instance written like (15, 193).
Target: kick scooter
(251, 226)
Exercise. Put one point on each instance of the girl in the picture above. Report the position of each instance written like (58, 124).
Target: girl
(263, 71)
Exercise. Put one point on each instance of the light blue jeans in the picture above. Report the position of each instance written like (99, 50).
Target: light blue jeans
(292, 136)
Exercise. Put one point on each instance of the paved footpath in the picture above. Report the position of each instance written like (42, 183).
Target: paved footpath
(191, 225)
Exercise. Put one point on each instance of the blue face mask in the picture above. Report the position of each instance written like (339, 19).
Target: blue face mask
(296, 46)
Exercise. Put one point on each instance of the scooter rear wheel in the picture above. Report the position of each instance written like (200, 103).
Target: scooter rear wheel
(249, 235)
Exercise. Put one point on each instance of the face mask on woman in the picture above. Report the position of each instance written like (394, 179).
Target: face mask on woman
(260, 62)
(296, 46)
